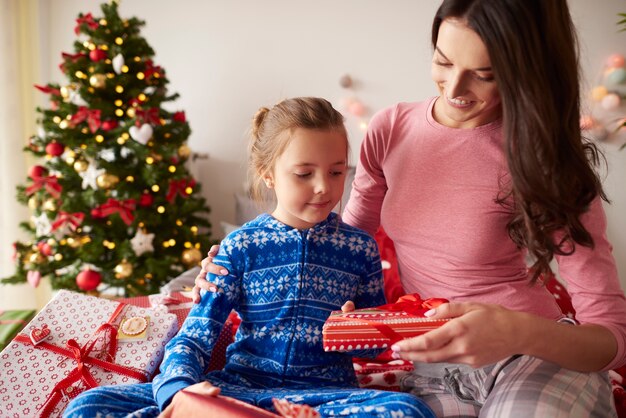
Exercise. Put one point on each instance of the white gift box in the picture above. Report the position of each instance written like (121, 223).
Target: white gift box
(37, 379)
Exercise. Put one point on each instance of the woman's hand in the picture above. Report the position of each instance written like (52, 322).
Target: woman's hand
(207, 267)
(477, 335)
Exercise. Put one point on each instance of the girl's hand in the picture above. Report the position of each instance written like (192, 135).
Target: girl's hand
(348, 306)
(207, 267)
(477, 335)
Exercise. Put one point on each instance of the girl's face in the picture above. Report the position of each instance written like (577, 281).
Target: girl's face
(308, 177)
(461, 69)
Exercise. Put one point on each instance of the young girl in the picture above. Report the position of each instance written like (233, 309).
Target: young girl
(288, 271)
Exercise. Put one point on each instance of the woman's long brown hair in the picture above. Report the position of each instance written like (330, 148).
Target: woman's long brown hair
(534, 57)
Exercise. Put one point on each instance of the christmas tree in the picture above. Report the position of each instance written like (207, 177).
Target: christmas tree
(113, 205)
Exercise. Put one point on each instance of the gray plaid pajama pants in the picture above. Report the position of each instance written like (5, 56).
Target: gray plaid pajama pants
(518, 387)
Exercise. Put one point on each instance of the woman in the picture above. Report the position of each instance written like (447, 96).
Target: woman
(470, 183)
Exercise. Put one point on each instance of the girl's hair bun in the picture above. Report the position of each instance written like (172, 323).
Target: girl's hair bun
(257, 121)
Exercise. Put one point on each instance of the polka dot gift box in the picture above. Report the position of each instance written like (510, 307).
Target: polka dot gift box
(72, 345)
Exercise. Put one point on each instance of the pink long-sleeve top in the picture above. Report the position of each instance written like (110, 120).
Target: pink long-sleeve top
(433, 189)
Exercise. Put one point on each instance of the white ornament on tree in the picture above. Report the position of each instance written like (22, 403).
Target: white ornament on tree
(118, 63)
(141, 135)
(42, 224)
(77, 99)
(90, 175)
(107, 155)
(142, 242)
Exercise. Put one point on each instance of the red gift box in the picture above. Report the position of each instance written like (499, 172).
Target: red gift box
(380, 327)
(72, 345)
(195, 401)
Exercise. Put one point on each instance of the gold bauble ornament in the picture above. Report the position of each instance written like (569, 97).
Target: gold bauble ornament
(66, 91)
(184, 151)
(123, 270)
(33, 203)
(73, 242)
(26, 256)
(131, 112)
(36, 258)
(191, 257)
(106, 181)
(97, 80)
(49, 205)
(81, 166)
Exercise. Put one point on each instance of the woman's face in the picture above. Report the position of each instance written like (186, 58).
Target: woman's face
(461, 69)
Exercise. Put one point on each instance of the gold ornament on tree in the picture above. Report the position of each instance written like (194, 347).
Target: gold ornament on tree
(98, 80)
(67, 91)
(184, 151)
(123, 270)
(33, 203)
(106, 181)
(49, 205)
(36, 258)
(191, 256)
(81, 165)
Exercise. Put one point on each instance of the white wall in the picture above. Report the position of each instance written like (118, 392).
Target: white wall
(226, 58)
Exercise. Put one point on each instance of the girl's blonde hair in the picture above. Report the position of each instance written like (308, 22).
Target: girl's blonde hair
(272, 130)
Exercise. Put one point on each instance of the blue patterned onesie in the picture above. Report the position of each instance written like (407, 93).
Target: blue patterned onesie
(283, 283)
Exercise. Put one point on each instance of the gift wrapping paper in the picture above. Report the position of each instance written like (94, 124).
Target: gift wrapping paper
(81, 351)
(175, 303)
(380, 327)
(12, 322)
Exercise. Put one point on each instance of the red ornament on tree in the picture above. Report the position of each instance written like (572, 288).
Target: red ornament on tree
(54, 149)
(179, 117)
(88, 280)
(44, 248)
(97, 55)
(37, 171)
(146, 199)
(107, 125)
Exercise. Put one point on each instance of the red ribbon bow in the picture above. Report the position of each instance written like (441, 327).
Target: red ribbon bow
(413, 304)
(73, 219)
(125, 209)
(92, 117)
(150, 116)
(73, 57)
(48, 90)
(178, 187)
(86, 19)
(50, 183)
(84, 356)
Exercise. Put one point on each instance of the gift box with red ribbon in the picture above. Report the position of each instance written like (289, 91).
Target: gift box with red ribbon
(72, 345)
(382, 326)
(176, 303)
